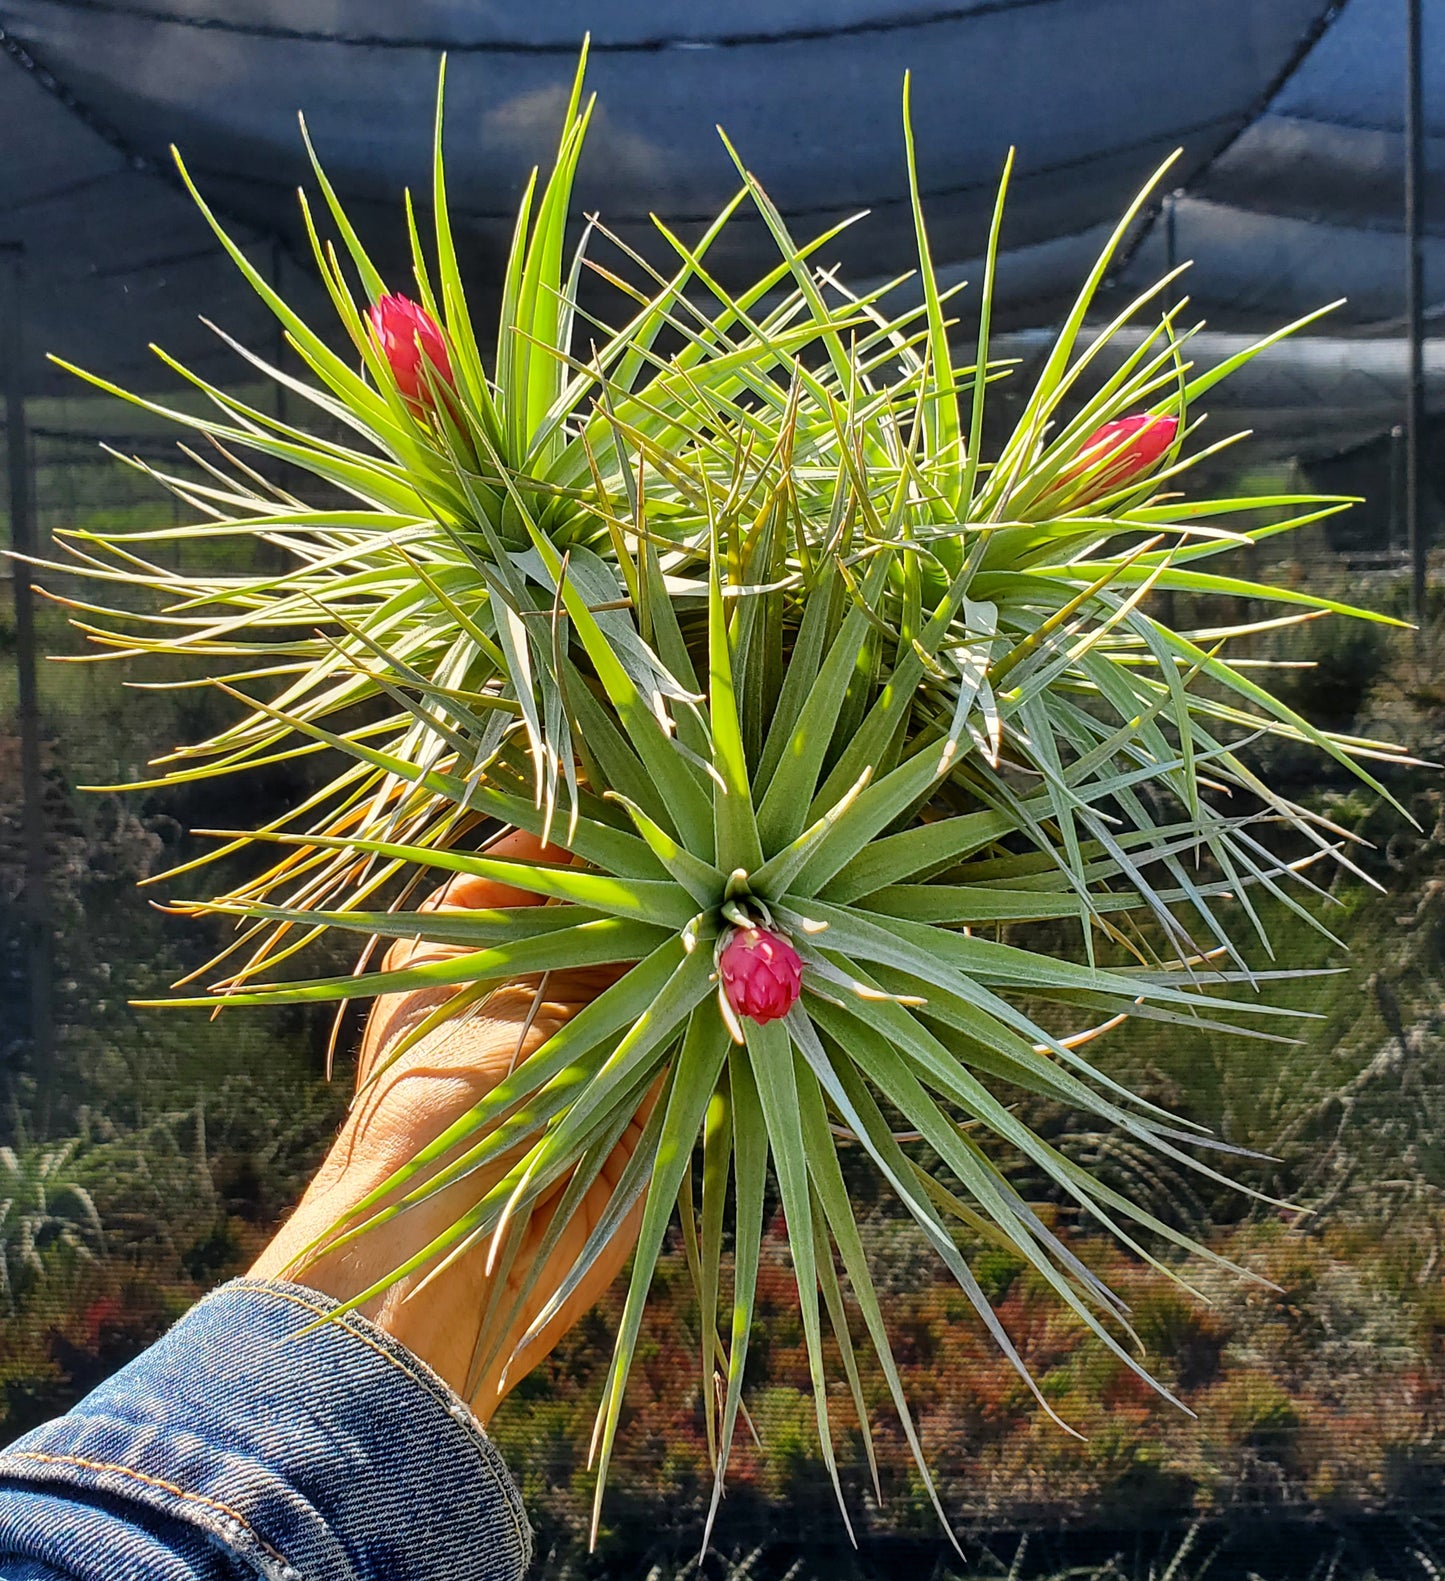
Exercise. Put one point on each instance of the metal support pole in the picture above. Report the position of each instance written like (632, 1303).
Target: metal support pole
(22, 541)
(1415, 526)
(1395, 535)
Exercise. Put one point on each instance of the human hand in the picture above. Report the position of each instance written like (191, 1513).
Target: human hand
(410, 1104)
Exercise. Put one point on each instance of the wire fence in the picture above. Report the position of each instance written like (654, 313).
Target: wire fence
(1326, 1397)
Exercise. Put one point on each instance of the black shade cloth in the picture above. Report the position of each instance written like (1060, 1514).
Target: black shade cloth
(1288, 114)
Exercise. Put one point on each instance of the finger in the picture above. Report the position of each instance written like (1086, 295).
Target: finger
(609, 1262)
(474, 893)
(393, 1014)
(470, 892)
(494, 1037)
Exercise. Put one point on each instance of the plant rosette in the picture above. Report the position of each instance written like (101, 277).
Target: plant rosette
(830, 711)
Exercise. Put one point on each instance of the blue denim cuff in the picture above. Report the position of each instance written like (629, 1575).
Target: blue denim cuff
(333, 1456)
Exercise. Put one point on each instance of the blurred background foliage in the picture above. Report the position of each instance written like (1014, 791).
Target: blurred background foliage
(151, 1157)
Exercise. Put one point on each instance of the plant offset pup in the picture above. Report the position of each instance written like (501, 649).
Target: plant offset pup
(817, 707)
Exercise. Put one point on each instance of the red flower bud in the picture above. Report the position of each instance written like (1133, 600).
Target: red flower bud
(762, 974)
(1130, 444)
(405, 333)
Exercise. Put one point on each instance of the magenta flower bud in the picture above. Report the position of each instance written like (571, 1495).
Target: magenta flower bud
(1131, 445)
(762, 974)
(406, 333)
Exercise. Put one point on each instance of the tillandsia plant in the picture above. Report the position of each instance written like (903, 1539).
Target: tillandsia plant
(815, 709)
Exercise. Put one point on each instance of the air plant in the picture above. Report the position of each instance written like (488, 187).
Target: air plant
(818, 706)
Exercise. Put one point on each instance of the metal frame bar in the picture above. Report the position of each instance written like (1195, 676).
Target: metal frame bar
(1415, 526)
(22, 542)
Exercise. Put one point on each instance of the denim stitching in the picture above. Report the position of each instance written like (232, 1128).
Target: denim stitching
(379, 1343)
(154, 1482)
(449, 1399)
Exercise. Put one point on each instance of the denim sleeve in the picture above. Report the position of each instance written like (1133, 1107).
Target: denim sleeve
(238, 1447)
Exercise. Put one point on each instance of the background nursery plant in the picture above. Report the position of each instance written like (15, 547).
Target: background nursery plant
(814, 707)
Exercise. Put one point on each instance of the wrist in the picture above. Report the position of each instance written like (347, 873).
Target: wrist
(434, 1328)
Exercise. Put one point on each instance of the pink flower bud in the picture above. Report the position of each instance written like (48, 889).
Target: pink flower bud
(1130, 444)
(405, 333)
(762, 974)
